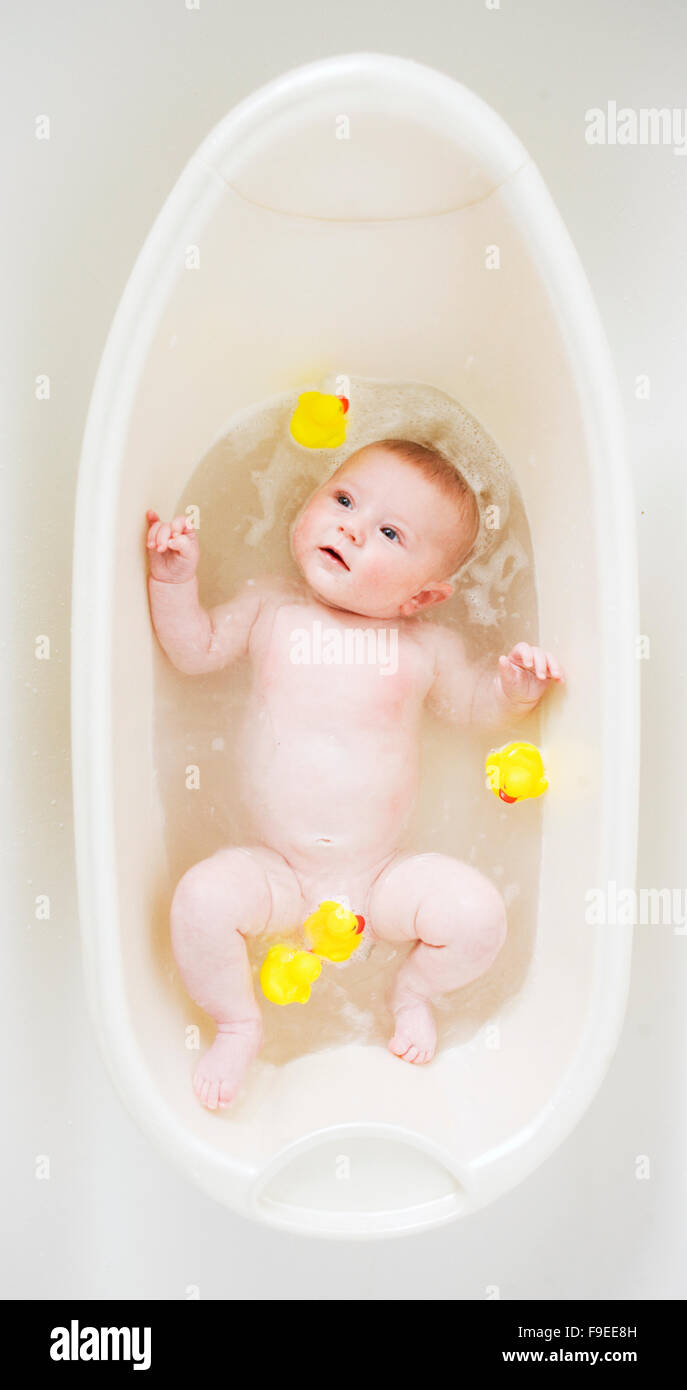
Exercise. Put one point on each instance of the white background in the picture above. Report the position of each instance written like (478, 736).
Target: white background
(131, 90)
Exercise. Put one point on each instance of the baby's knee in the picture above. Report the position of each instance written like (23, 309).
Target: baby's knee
(224, 892)
(466, 909)
(491, 922)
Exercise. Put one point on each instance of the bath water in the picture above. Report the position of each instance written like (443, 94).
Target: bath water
(245, 492)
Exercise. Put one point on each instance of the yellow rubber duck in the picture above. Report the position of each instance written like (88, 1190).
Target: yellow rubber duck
(333, 931)
(516, 772)
(287, 973)
(318, 420)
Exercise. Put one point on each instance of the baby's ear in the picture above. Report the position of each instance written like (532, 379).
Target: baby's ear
(427, 597)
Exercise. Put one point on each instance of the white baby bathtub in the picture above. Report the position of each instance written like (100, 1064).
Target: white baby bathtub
(368, 255)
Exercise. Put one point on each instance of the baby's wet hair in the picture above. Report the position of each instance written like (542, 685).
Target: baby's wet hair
(439, 469)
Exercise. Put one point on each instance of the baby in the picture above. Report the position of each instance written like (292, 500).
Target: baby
(330, 749)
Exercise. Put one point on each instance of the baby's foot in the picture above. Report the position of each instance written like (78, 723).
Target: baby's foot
(415, 1034)
(221, 1071)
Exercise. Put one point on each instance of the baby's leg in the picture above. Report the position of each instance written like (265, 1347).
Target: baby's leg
(234, 893)
(458, 919)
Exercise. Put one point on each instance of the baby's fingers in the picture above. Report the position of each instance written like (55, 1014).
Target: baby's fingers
(163, 536)
(521, 655)
(152, 534)
(514, 675)
(539, 658)
(554, 669)
(182, 544)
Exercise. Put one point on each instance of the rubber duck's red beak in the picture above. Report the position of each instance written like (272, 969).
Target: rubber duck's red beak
(344, 403)
(509, 799)
(361, 924)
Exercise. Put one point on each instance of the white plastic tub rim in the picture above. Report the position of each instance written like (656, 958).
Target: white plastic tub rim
(502, 158)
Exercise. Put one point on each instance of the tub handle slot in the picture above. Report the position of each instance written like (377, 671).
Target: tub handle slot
(359, 1183)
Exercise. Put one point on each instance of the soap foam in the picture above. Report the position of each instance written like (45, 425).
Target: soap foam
(391, 410)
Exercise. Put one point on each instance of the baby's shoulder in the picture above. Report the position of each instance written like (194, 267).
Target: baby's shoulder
(268, 594)
(440, 644)
(268, 590)
(417, 640)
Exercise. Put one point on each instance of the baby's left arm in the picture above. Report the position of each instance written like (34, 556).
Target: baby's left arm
(467, 694)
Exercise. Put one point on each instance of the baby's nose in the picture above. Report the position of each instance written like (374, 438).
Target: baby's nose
(351, 531)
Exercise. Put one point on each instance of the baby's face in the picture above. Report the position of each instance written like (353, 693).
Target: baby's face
(379, 538)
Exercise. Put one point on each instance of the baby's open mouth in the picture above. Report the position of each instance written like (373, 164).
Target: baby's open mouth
(334, 554)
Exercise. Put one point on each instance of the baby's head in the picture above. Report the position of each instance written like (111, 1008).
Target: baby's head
(383, 536)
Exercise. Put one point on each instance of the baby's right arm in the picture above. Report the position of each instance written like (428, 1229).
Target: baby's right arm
(195, 641)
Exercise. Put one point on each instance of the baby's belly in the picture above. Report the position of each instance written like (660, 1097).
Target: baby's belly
(318, 797)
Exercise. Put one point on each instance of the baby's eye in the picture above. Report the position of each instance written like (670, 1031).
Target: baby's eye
(390, 533)
(343, 499)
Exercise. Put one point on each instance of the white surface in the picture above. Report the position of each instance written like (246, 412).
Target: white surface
(102, 1224)
(521, 345)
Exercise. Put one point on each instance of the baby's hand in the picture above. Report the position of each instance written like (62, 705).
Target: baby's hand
(172, 548)
(525, 674)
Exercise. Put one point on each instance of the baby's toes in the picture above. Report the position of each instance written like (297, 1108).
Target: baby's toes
(399, 1044)
(227, 1091)
(212, 1095)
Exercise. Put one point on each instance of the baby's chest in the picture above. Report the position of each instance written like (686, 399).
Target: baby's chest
(321, 665)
